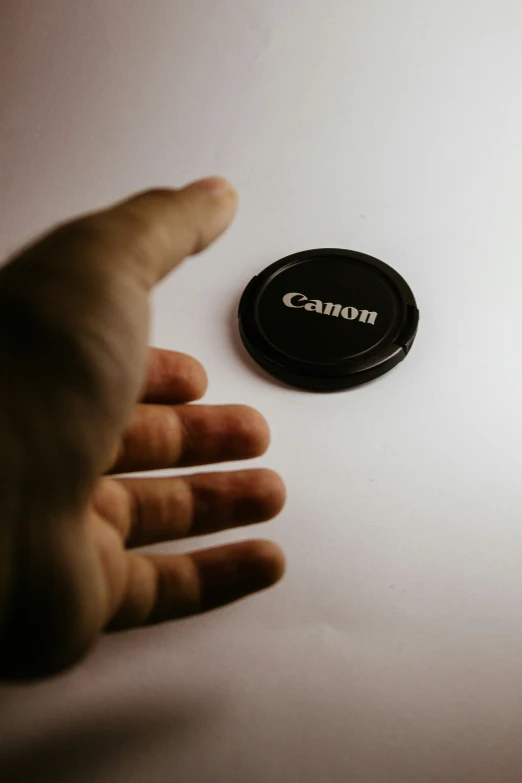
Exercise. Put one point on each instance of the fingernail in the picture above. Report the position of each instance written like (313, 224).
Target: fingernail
(215, 185)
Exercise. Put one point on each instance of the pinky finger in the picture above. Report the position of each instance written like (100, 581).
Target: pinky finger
(168, 587)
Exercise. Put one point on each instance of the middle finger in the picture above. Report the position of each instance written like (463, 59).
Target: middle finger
(168, 436)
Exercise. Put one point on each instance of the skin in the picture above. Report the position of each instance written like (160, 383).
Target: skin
(82, 399)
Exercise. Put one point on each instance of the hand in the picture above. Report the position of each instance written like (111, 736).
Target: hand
(81, 396)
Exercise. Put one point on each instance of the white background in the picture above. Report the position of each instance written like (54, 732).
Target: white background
(392, 652)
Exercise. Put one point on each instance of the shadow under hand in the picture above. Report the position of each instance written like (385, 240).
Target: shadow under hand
(108, 747)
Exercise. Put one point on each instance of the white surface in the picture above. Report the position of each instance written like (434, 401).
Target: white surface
(392, 652)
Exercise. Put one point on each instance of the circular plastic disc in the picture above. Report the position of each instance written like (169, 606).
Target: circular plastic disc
(328, 319)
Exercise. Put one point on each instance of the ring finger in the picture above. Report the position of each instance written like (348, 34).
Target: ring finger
(151, 510)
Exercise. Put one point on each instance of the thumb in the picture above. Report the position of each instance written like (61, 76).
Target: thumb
(162, 227)
(144, 237)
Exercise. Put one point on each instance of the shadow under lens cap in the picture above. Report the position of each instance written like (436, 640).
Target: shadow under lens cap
(328, 319)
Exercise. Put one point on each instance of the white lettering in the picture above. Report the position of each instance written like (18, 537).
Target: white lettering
(314, 306)
(327, 308)
(367, 318)
(331, 309)
(350, 313)
(287, 299)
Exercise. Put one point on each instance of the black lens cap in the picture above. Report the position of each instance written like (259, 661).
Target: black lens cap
(328, 319)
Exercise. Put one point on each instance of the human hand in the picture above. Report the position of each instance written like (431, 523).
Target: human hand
(81, 397)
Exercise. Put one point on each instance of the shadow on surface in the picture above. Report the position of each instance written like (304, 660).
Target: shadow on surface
(105, 748)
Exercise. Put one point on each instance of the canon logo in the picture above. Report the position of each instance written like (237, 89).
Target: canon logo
(297, 301)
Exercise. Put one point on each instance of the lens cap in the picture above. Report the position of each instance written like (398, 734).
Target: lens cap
(327, 319)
